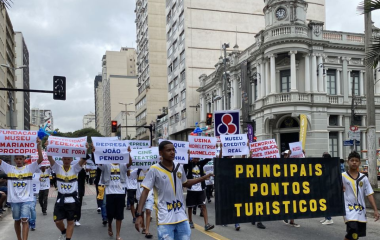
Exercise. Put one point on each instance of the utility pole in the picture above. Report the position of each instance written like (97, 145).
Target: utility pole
(225, 75)
(371, 122)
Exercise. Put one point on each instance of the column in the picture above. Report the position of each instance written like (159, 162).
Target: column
(340, 144)
(320, 76)
(307, 73)
(314, 72)
(267, 84)
(272, 74)
(263, 77)
(219, 104)
(252, 92)
(338, 82)
(361, 83)
(233, 93)
(346, 79)
(293, 71)
(236, 93)
(349, 82)
(203, 108)
(258, 79)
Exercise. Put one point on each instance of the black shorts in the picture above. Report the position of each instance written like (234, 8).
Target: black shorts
(67, 211)
(195, 198)
(131, 193)
(115, 206)
(356, 230)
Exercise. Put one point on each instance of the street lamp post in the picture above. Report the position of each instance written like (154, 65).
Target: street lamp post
(225, 74)
(126, 116)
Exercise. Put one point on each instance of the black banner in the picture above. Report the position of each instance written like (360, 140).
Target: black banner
(252, 190)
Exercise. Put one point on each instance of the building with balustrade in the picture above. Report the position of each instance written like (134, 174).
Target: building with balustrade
(296, 67)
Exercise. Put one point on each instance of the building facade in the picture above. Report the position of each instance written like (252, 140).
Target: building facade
(119, 84)
(296, 67)
(89, 120)
(151, 61)
(42, 118)
(8, 118)
(99, 105)
(195, 32)
(22, 75)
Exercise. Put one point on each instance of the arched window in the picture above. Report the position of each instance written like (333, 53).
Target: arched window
(289, 122)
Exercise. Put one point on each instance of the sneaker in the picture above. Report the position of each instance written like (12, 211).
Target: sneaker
(195, 211)
(105, 222)
(293, 224)
(44, 213)
(323, 220)
(33, 229)
(191, 224)
(209, 201)
(328, 222)
(134, 220)
(237, 226)
(77, 223)
(286, 221)
(260, 225)
(208, 227)
(99, 209)
(62, 237)
(225, 225)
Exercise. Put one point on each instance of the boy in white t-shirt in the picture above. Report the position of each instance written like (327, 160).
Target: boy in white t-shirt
(356, 187)
(20, 190)
(44, 190)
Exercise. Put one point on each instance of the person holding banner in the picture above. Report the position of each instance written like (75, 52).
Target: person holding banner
(168, 179)
(148, 205)
(44, 189)
(20, 190)
(67, 199)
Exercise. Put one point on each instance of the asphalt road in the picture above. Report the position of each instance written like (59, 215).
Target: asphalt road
(92, 228)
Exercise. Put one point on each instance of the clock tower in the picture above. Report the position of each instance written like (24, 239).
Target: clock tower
(285, 12)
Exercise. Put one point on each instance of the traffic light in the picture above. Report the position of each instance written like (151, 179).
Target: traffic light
(59, 88)
(114, 126)
(209, 119)
(254, 139)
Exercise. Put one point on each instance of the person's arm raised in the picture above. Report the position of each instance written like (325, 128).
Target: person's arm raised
(39, 149)
(50, 158)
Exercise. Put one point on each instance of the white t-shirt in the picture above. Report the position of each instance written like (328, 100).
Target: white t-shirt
(140, 189)
(168, 193)
(115, 186)
(131, 181)
(354, 196)
(207, 169)
(45, 179)
(67, 181)
(20, 187)
(196, 174)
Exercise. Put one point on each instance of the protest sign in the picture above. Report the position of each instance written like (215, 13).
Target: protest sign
(254, 190)
(264, 149)
(296, 149)
(67, 147)
(202, 147)
(144, 158)
(110, 151)
(138, 144)
(36, 183)
(45, 162)
(181, 151)
(233, 145)
(18, 142)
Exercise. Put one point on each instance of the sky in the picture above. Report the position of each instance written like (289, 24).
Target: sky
(69, 37)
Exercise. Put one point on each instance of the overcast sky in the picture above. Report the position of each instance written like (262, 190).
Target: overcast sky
(69, 37)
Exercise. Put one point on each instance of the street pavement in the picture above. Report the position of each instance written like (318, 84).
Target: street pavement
(92, 228)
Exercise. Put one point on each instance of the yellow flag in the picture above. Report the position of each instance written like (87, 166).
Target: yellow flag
(303, 129)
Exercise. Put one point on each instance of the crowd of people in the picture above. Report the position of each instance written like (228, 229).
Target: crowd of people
(118, 186)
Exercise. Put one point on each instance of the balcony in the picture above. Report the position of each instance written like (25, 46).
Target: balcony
(285, 31)
(340, 37)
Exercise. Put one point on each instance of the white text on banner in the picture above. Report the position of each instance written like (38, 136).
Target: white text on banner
(110, 151)
(264, 149)
(18, 142)
(233, 145)
(181, 151)
(67, 147)
(202, 147)
(145, 158)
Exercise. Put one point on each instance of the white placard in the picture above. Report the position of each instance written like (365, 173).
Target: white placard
(36, 183)
(233, 145)
(181, 151)
(265, 149)
(44, 162)
(296, 148)
(110, 151)
(138, 144)
(67, 147)
(145, 158)
(18, 142)
(202, 147)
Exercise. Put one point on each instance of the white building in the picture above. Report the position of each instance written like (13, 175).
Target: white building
(42, 118)
(296, 67)
(89, 120)
(195, 32)
(99, 105)
(22, 75)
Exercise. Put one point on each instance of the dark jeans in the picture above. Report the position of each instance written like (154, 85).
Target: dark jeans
(43, 199)
(78, 209)
(209, 190)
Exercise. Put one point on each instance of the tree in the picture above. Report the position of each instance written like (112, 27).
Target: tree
(5, 3)
(373, 56)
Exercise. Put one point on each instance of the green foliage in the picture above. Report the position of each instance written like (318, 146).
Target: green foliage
(368, 6)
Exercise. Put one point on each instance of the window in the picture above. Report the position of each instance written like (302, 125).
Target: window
(183, 114)
(256, 90)
(183, 95)
(175, 99)
(169, 33)
(175, 64)
(170, 51)
(175, 45)
(183, 75)
(333, 144)
(333, 120)
(171, 102)
(174, 6)
(171, 85)
(357, 120)
(182, 56)
(175, 81)
(170, 69)
(174, 27)
(209, 107)
(169, 17)
(181, 17)
(355, 75)
(285, 80)
(331, 82)
(182, 36)
(172, 120)
(176, 117)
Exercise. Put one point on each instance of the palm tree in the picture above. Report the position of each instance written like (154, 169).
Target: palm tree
(5, 3)
(373, 56)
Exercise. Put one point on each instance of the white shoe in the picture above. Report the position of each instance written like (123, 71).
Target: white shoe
(328, 222)
(62, 237)
(323, 220)
(77, 223)
(99, 209)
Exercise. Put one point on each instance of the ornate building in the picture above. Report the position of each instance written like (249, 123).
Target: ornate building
(295, 67)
